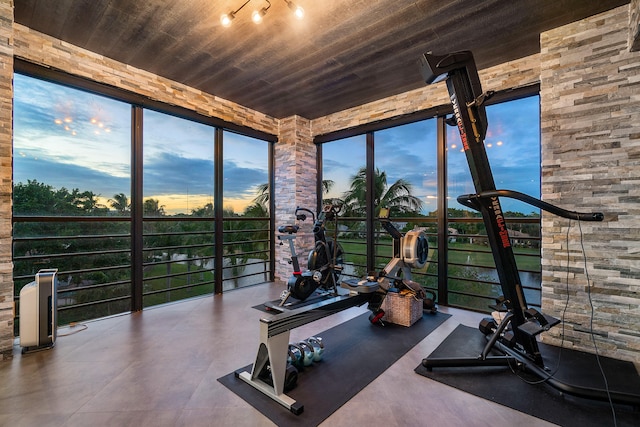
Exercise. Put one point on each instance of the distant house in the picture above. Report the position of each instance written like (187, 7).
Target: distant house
(519, 238)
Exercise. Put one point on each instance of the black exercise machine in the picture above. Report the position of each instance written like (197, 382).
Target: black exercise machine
(514, 337)
(325, 260)
(410, 250)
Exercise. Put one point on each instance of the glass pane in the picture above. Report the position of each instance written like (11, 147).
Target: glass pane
(71, 143)
(406, 182)
(178, 208)
(72, 155)
(246, 174)
(246, 211)
(513, 149)
(343, 165)
(178, 166)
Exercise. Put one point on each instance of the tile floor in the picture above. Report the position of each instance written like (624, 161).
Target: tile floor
(160, 368)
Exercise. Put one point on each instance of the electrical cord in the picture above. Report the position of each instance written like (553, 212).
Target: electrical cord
(74, 325)
(591, 332)
(564, 310)
(554, 371)
(593, 338)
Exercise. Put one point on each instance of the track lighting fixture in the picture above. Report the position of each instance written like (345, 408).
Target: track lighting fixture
(257, 15)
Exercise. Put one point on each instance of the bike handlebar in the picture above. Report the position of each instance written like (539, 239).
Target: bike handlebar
(302, 217)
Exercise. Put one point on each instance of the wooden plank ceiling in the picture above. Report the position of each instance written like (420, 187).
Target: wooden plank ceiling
(343, 54)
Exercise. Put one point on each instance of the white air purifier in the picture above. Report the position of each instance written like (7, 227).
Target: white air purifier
(38, 312)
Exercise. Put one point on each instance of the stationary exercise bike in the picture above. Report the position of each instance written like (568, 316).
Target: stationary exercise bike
(324, 262)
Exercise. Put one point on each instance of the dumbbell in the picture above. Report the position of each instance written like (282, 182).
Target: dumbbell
(429, 302)
(487, 325)
(290, 376)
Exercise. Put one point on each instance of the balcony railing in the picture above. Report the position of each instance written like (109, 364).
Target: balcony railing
(471, 278)
(93, 258)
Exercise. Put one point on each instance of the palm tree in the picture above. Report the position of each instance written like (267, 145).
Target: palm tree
(120, 203)
(88, 202)
(262, 199)
(396, 196)
(152, 207)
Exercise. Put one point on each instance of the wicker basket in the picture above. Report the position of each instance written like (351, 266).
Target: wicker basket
(402, 309)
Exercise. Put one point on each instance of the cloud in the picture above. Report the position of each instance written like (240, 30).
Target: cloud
(241, 182)
(69, 176)
(167, 173)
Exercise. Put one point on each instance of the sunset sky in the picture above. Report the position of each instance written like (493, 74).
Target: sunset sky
(409, 152)
(68, 138)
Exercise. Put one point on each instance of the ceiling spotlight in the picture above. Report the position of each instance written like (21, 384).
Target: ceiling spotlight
(256, 16)
(298, 11)
(226, 18)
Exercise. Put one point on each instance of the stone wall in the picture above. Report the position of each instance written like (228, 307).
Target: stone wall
(6, 177)
(590, 120)
(295, 176)
(510, 75)
(634, 25)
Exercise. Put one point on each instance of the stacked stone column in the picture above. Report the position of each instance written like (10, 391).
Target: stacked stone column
(6, 177)
(295, 185)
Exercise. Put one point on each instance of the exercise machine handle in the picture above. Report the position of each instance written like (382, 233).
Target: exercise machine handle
(470, 199)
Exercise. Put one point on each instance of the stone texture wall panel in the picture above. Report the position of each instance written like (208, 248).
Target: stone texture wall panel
(590, 116)
(6, 178)
(295, 176)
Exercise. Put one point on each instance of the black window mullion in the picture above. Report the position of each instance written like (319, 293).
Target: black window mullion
(319, 178)
(370, 201)
(137, 242)
(442, 209)
(272, 210)
(218, 209)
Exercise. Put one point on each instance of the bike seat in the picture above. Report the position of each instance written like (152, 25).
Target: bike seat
(289, 229)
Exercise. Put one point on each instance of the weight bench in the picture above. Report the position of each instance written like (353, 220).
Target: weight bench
(274, 342)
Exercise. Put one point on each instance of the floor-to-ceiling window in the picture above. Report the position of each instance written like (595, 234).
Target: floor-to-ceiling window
(343, 164)
(71, 174)
(406, 182)
(127, 202)
(246, 200)
(178, 183)
(405, 163)
(512, 144)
